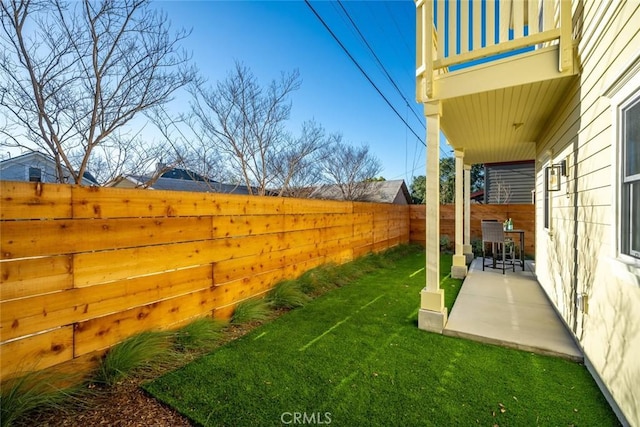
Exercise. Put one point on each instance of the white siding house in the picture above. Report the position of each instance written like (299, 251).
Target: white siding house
(584, 261)
(557, 82)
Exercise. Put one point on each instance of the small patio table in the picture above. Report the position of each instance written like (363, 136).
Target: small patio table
(521, 237)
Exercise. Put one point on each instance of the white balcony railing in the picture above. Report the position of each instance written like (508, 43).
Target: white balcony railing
(454, 34)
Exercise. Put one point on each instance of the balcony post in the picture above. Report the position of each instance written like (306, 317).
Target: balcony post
(424, 50)
(459, 267)
(566, 42)
(467, 249)
(433, 313)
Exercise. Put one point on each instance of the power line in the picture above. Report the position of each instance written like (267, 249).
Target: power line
(384, 69)
(395, 22)
(410, 72)
(362, 70)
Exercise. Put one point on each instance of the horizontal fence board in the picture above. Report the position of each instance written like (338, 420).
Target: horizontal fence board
(27, 277)
(25, 200)
(362, 250)
(36, 352)
(247, 287)
(30, 315)
(309, 206)
(223, 313)
(109, 266)
(359, 241)
(236, 247)
(366, 208)
(296, 222)
(339, 232)
(21, 239)
(247, 225)
(298, 269)
(100, 202)
(301, 238)
(103, 332)
(232, 204)
(237, 268)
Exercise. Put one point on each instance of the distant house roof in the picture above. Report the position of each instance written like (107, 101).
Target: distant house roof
(477, 196)
(182, 180)
(177, 173)
(394, 191)
(30, 166)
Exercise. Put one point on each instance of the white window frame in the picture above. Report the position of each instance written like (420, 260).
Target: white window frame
(546, 198)
(623, 93)
(625, 226)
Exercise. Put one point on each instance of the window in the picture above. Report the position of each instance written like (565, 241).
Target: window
(546, 206)
(630, 179)
(624, 92)
(35, 174)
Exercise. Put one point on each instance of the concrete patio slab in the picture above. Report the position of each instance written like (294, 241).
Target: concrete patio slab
(510, 310)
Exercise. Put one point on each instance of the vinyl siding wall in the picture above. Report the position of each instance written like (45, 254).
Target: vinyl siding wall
(509, 182)
(19, 171)
(576, 262)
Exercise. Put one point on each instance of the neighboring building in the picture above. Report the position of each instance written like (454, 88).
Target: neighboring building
(509, 182)
(394, 191)
(477, 196)
(180, 180)
(565, 91)
(37, 167)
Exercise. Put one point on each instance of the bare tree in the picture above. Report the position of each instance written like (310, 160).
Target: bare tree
(244, 122)
(297, 167)
(187, 150)
(109, 160)
(351, 169)
(72, 75)
(501, 193)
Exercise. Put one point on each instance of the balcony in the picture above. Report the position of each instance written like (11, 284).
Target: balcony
(497, 69)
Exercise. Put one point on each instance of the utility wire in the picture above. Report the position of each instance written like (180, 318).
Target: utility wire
(395, 22)
(382, 29)
(362, 70)
(381, 64)
(384, 69)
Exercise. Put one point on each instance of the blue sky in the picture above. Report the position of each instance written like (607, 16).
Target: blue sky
(274, 36)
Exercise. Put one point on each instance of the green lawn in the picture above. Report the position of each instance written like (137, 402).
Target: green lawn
(355, 357)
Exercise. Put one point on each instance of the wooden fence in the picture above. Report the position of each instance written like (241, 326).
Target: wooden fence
(83, 268)
(522, 215)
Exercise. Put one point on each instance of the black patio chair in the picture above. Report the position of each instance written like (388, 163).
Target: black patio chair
(502, 247)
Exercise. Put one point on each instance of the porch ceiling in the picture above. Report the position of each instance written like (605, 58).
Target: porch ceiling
(502, 124)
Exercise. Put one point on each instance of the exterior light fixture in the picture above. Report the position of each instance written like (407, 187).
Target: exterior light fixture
(553, 174)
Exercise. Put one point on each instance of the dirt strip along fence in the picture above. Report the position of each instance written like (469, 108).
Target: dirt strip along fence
(82, 268)
(522, 215)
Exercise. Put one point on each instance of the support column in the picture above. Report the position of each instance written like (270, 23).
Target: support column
(467, 249)
(433, 314)
(459, 267)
